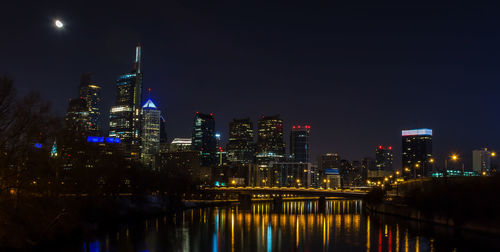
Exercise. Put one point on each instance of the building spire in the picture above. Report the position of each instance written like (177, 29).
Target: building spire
(138, 58)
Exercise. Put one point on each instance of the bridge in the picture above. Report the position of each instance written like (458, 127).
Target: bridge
(283, 191)
(245, 194)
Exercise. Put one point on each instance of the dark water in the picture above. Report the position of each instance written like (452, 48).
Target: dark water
(295, 226)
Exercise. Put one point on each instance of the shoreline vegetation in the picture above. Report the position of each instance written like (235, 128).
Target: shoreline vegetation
(463, 203)
(55, 184)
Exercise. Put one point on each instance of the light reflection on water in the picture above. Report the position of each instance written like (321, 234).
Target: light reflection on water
(294, 226)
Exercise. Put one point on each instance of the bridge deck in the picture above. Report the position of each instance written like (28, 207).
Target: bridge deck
(289, 190)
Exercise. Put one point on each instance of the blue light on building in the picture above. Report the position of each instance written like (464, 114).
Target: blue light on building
(38, 145)
(94, 139)
(149, 104)
(417, 132)
(331, 171)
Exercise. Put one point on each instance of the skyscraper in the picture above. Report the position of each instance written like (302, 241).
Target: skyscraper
(240, 148)
(367, 166)
(150, 133)
(417, 152)
(481, 161)
(90, 92)
(270, 144)
(163, 135)
(384, 158)
(299, 143)
(76, 120)
(124, 121)
(203, 138)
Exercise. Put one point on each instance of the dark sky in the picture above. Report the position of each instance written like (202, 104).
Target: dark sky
(357, 71)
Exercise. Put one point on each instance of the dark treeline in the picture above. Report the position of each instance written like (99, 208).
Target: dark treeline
(40, 197)
(462, 199)
(470, 202)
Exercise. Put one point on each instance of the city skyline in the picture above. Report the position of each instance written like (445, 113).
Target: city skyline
(346, 114)
(249, 126)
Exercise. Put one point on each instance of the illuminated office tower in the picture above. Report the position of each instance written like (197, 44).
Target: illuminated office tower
(299, 143)
(203, 138)
(270, 148)
(384, 158)
(150, 143)
(270, 145)
(481, 161)
(240, 148)
(124, 120)
(76, 120)
(90, 92)
(417, 152)
(75, 133)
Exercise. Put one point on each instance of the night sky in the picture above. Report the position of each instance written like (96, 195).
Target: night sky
(357, 71)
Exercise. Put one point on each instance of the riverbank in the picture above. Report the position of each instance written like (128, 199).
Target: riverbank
(405, 211)
(40, 222)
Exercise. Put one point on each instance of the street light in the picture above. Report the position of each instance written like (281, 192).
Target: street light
(417, 165)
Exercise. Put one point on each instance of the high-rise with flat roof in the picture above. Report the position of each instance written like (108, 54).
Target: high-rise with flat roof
(383, 158)
(76, 120)
(270, 144)
(90, 92)
(240, 148)
(417, 152)
(203, 138)
(299, 143)
(481, 161)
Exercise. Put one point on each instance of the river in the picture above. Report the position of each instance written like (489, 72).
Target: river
(341, 225)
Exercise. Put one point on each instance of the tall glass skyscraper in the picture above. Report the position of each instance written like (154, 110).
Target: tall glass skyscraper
(150, 145)
(90, 92)
(417, 152)
(124, 121)
(203, 138)
(270, 144)
(299, 143)
(240, 148)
